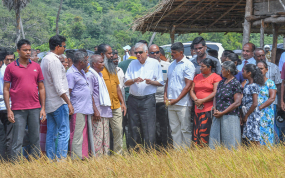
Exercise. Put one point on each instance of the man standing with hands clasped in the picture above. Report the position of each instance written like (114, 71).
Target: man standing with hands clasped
(143, 76)
(24, 84)
(176, 94)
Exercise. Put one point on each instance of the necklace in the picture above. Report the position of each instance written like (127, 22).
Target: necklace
(227, 81)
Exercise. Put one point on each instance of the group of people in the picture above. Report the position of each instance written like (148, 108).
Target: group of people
(84, 105)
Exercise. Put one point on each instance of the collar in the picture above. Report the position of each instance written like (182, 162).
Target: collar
(250, 59)
(18, 64)
(74, 69)
(183, 59)
(52, 53)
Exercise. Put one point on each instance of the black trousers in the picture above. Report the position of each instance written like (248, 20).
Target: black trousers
(142, 120)
(6, 135)
(163, 131)
(126, 131)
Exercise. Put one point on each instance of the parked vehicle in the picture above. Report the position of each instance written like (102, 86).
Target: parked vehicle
(210, 45)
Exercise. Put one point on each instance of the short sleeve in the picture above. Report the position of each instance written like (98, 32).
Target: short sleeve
(189, 71)
(7, 74)
(217, 78)
(71, 81)
(236, 88)
(40, 75)
(272, 85)
(254, 88)
(195, 79)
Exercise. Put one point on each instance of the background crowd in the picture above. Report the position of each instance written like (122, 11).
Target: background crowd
(85, 105)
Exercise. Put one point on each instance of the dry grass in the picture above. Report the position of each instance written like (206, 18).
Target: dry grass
(244, 162)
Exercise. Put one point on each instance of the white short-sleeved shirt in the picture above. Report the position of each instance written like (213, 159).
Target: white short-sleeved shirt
(177, 73)
(151, 69)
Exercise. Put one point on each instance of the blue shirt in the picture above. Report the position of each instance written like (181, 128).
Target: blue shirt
(281, 61)
(80, 96)
(177, 73)
(250, 61)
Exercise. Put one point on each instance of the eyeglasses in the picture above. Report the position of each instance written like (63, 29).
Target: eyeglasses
(62, 46)
(157, 52)
(140, 52)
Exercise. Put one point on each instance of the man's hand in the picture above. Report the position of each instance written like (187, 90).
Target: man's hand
(244, 120)
(138, 80)
(43, 115)
(124, 108)
(96, 115)
(218, 114)
(172, 101)
(10, 116)
(148, 81)
(165, 99)
(283, 105)
(71, 110)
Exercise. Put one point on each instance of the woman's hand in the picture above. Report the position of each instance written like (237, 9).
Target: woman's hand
(244, 119)
(218, 114)
(198, 102)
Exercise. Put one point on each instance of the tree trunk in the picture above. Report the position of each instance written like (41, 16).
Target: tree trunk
(18, 28)
(57, 17)
(275, 28)
(22, 28)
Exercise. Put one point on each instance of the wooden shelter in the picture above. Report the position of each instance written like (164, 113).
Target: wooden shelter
(201, 16)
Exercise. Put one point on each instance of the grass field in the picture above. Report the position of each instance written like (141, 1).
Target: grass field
(244, 162)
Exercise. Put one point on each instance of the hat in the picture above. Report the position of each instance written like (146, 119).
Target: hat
(280, 120)
(266, 46)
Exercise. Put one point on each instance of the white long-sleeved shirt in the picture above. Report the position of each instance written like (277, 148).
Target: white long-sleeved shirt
(151, 69)
(55, 82)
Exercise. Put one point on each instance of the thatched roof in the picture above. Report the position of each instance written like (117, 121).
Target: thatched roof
(189, 16)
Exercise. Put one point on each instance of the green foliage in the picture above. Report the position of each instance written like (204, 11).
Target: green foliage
(87, 23)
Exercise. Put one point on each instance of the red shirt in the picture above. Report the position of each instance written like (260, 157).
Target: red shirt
(24, 84)
(203, 88)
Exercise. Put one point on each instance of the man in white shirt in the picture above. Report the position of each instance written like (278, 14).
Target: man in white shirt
(58, 105)
(176, 94)
(143, 76)
(163, 133)
(247, 53)
(10, 57)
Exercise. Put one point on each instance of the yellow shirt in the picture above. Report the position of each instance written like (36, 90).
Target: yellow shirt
(112, 82)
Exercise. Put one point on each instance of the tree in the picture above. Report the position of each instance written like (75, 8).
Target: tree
(57, 17)
(16, 5)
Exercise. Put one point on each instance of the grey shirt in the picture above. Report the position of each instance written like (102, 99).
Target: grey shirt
(274, 75)
(197, 66)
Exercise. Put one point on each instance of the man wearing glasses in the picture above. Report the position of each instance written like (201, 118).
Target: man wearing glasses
(163, 134)
(143, 76)
(58, 105)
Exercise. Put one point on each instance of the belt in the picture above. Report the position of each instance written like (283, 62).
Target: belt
(142, 97)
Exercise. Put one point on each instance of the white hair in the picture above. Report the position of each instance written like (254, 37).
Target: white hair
(137, 45)
(64, 56)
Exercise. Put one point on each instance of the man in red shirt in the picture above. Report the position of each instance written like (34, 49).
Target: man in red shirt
(23, 82)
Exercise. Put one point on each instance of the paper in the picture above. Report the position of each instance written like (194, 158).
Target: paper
(127, 47)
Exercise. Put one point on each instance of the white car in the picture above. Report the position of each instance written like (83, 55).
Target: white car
(187, 51)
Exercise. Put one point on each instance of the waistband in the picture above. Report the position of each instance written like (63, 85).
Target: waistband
(142, 97)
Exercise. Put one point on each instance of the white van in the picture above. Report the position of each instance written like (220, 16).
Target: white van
(187, 48)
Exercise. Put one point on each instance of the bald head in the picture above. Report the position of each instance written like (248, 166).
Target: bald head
(247, 50)
(97, 62)
(154, 52)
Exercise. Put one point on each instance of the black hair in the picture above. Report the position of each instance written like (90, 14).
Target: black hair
(10, 53)
(210, 63)
(198, 40)
(3, 53)
(264, 63)
(55, 41)
(143, 41)
(95, 46)
(227, 52)
(38, 49)
(230, 66)
(178, 46)
(23, 42)
(70, 54)
(234, 57)
(213, 53)
(115, 51)
(102, 48)
(256, 73)
(161, 50)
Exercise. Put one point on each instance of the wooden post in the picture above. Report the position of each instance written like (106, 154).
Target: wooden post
(172, 34)
(275, 28)
(283, 42)
(247, 24)
(151, 40)
(262, 34)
